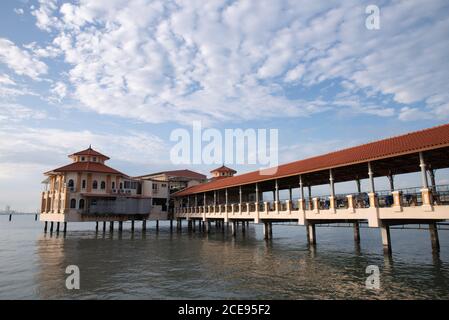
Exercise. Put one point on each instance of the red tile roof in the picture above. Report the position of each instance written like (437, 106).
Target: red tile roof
(413, 142)
(223, 168)
(87, 167)
(90, 152)
(179, 173)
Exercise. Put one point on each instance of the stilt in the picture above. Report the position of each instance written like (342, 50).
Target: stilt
(45, 227)
(222, 226)
(193, 225)
(96, 226)
(157, 225)
(144, 225)
(265, 230)
(10, 217)
(35, 217)
(111, 226)
(120, 226)
(104, 226)
(189, 225)
(171, 225)
(357, 232)
(57, 227)
(243, 226)
(270, 228)
(233, 227)
(311, 235)
(433, 228)
(132, 225)
(65, 227)
(386, 241)
(51, 227)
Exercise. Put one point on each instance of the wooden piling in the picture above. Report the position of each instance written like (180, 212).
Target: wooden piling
(45, 227)
(357, 232)
(65, 227)
(51, 226)
(435, 241)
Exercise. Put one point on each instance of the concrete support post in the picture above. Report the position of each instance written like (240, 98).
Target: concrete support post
(422, 164)
(397, 201)
(371, 178)
(351, 207)
(386, 240)
(316, 205)
(356, 232)
(433, 228)
(311, 235)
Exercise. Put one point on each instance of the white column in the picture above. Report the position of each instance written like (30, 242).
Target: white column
(226, 197)
(371, 178)
(276, 187)
(331, 183)
(422, 164)
(257, 193)
(240, 195)
(301, 187)
(215, 198)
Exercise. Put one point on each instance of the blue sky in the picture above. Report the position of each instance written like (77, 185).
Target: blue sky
(121, 75)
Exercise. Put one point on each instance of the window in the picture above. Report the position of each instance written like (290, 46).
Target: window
(154, 186)
(121, 185)
(113, 185)
(84, 184)
(127, 184)
(103, 185)
(81, 204)
(83, 159)
(73, 203)
(95, 159)
(95, 184)
(71, 183)
(163, 185)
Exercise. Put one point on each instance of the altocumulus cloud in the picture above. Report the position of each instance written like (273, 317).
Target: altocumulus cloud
(160, 61)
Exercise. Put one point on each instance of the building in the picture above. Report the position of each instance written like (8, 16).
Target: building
(222, 172)
(89, 190)
(161, 184)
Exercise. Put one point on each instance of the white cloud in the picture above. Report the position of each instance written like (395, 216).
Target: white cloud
(20, 61)
(18, 11)
(160, 61)
(11, 112)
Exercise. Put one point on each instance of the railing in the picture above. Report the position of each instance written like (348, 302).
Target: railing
(440, 194)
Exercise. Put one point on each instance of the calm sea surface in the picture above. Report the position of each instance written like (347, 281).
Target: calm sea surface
(196, 266)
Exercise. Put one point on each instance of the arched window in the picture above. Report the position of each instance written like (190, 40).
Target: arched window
(71, 183)
(95, 184)
(113, 184)
(121, 185)
(103, 185)
(84, 184)
(73, 203)
(81, 205)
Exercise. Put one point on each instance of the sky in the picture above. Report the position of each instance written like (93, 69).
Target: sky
(122, 75)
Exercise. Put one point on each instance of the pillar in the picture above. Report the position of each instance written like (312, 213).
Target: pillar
(243, 226)
(276, 188)
(132, 225)
(311, 235)
(35, 217)
(332, 190)
(111, 226)
(57, 227)
(391, 180)
(144, 225)
(189, 225)
(422, 164)
(51, 227)
(240, 195)
(356, 232)
(233, 228)
(433, 228)
(96, 226)
(45, 227)
(104, 226)
(357, 182)
(65, 227)
(120, 225)
(171, 225)
(157, 225)
(371, 178)
(386, 240)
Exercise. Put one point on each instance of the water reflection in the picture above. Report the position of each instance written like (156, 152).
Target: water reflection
(217, 266)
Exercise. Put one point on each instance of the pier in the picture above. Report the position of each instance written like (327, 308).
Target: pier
(240, 198)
